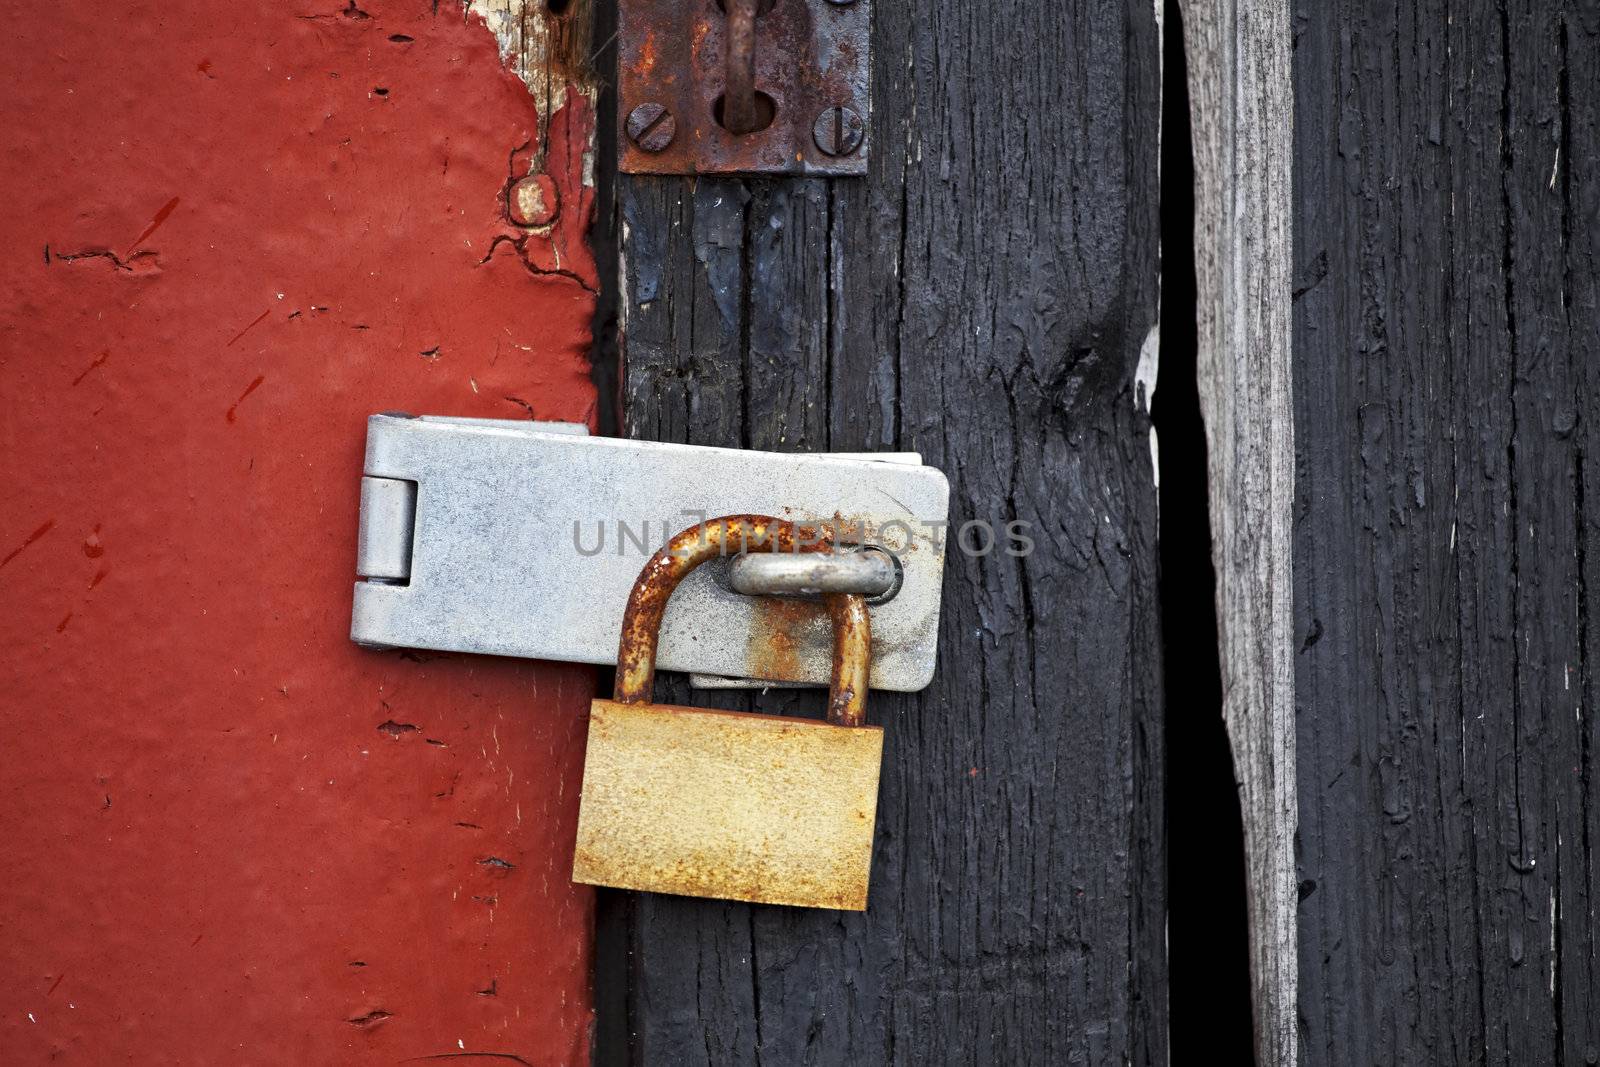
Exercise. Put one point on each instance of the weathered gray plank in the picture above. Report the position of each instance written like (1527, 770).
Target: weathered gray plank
(982, 297)
(1241, 106)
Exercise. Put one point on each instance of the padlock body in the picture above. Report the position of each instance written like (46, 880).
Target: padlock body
(702, 803)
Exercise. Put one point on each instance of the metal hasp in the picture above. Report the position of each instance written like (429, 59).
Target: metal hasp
(518, 538)
(744, 86)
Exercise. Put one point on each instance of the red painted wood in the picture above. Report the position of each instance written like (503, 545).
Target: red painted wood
(231, 837)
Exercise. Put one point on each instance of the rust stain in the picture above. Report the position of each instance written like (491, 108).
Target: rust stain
(774, 642)
(646, 63)
(852, 659)
(726, 536)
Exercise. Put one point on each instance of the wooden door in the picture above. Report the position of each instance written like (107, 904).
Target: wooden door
(986, 296)
(233, 837)
(238, 838)
(1444, 353)
(1395, 220)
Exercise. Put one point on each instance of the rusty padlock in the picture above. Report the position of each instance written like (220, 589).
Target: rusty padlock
(722, 804)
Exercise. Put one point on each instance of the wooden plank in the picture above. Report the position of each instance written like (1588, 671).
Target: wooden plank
(983, 298)
(1241, 102)
(1577, 865)
(1444, 336)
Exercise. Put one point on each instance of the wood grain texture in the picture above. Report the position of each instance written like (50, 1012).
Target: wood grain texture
(1448, 169)
(1241, 106)
(982, 297)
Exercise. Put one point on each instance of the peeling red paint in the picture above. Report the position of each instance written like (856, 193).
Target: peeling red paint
(217, 852)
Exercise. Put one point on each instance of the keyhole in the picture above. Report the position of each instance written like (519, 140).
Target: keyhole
(766, 111)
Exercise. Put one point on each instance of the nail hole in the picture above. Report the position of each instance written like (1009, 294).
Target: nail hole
(766, 111)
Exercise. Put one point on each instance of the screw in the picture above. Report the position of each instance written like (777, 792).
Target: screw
(651, 127)
(533, 201)
(838, 131)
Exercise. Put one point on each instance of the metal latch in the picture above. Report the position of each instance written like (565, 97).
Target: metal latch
(744, 86)
(521, 538)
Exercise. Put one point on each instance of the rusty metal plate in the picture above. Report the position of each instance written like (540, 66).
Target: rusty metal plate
(811, 61)
(717, 804)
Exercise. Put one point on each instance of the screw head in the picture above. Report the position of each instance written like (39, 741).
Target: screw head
(838, 131)
(651, 127)
(533, 201)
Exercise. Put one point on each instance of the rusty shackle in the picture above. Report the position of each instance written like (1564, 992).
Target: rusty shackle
(732, 535)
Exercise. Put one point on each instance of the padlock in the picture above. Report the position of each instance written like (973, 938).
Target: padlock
(736, 806)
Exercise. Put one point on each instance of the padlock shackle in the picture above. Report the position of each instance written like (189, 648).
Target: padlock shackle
(727, 536)
(852, 658)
